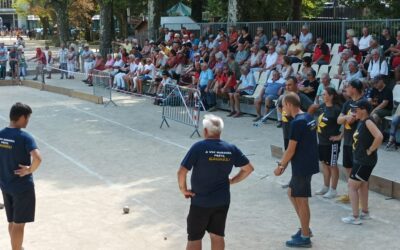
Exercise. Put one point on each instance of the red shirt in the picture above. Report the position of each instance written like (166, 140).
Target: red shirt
(322, 50)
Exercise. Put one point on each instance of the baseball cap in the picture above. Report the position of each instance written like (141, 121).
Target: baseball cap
(357, 84)
(362, 104)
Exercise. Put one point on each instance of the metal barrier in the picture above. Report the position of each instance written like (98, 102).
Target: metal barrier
(181, 104)
(333, 31)
(102, 86)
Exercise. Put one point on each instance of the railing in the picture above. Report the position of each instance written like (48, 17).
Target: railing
(333, 31)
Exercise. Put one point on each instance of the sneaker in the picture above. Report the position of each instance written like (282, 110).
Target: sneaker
(391, 146)
(364, 216)
(351, 220)
(332, 193)
(298, 234)
(322, 191)
(343, 199)
(279, 125)
(299, 242)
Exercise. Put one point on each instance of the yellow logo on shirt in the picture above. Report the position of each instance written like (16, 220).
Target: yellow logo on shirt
(321, 123)
(355, 139)
(284, 116)
(346, 124)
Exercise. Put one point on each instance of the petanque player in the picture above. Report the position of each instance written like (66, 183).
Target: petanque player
(19, 158)
(367, 139)
(211, 161)
(302, 152)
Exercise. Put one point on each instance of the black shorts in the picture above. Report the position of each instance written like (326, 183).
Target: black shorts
(20, 208)
(300, 186)
(329, 154)
(347, 156)
(361, 172)
(202, 219)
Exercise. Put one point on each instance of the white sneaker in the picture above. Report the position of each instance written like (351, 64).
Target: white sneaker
(351, 220)
(322, 191)
(332, 193)
(365, 216)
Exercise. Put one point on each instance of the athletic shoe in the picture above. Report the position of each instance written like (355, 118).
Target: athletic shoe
(298, 234)
(343, 199)
(351, 220)
(279, 124)
(364, 216)
(299, 242)
(322, 191)
(332, 193)
(391, 146)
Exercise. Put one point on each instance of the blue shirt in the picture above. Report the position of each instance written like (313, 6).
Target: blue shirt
(272, 88)
(212, 161)
(205, 76)
(15, 148)
(305, 159)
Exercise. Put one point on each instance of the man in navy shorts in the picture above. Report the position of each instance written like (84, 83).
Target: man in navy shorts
(211, 161)
(302, 152)
(19, 158)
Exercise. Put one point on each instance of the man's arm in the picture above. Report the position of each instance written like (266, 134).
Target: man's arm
(287, 156)
(36, 160)
(243, 173)
(182, 172)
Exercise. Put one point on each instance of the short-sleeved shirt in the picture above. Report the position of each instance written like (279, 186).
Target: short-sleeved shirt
(376, 68)
(305, 159)
(298, 46)
(322, 50)
(384, 95)
(211, 162)
(305, 39)
(327, 124)
(314, 84)
(205, 76)
(305, 103)
(15, 148)
(320, 91)
(87, 55)
(348, 128)
(364, 42)
(241, 56)
(248, 81)
(272, 88)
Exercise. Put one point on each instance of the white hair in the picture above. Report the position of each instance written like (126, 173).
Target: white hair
(214, 124)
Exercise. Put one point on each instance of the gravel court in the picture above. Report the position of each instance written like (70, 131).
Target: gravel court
(97, 160)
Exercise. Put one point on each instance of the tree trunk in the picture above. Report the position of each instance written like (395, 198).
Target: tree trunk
(197, 10)
(46, 24)
(154, 20)
(232, 11)
(61, 7)
(123, 21)
(296, 9)
(106, 26)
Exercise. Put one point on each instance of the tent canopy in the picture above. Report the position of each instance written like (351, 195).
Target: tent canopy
(179, 10)
(177, 22)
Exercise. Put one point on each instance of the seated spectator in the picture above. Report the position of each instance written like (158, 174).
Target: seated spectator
(205, 83)
(271, 60)
(223, 44)
(212, 43)
(254, 60)
(395, 124)
(377, 66)
(231, 81)
(395, 52)
(343, 69)
(146, 48)
(212, 61)
(220, 80)
(310, 86)
(306, 38)
(275, 37)
(241, 54)
(128, 78)
(220, 61)
(321, 53)
(161, 59)
(263, 40)
(381, 100)
(286, 69)
(295, 50)
(99, 65)
(246, 86)
(279, 61)
(193, 39)
(166, 79)
(269, 93)
(325, 83)
(233, 37)
(353, 74)
(373, 45)
(350, 34)
(306, 67)
(352, 50)
(148, 74)
(245, 37)
(195, 74)
(123, 71)
(281, 44)
(234, 66)
(363, 44)
(287, 35)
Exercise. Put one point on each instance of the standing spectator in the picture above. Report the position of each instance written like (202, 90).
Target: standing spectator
(396, 116)
(22, 62)
(367, 139)
(205, 80)
(211, 161)
(287, 35)
(306, 38)
(269, 93)
(381, 100)
(302, 152)
(364, 41)
(354, 91)
(247, 83)
(387, 41)
(19, 158)
(321, 52)
(63, 59)
(71, 61)
(329, 138)
(13, 61)
(263, 38)
(3, 61)
(40, 59)
(87, 56)
(295, 50)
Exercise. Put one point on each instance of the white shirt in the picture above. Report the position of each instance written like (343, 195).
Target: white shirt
(396, 93)
(133, 67)
(152, 69)
(288, 38)
(364, 42)
(373, 68)
(271, 59)
(254, 59)
(305, 39)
